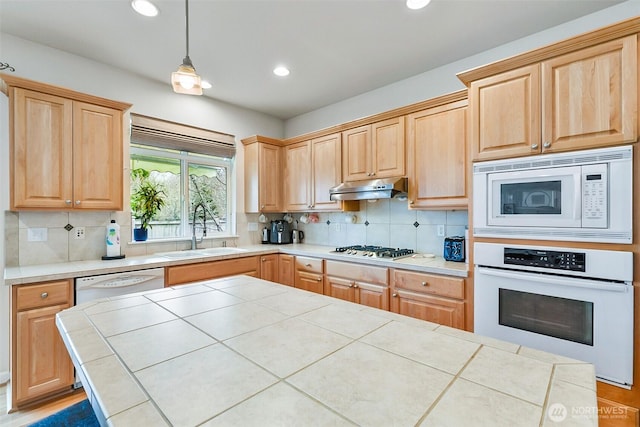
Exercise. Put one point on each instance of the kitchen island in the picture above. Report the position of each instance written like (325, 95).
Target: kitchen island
(244, 351)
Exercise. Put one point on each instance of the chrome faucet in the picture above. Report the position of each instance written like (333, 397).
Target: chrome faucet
(194, 242)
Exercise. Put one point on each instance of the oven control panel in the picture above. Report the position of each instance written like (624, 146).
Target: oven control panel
(559, 260)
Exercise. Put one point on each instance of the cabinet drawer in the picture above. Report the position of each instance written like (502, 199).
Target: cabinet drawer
(43, 295)
(313, 265)
(189, 273)
(428, 283)
(363, 273)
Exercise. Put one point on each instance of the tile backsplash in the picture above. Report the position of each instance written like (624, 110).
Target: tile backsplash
(384, 223)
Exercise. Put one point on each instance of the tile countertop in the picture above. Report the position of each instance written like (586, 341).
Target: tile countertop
(244, 351)
(67, 270)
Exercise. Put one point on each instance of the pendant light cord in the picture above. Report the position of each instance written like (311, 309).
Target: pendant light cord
(186, 7)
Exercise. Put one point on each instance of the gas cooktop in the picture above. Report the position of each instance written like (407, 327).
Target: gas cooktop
(374, 251)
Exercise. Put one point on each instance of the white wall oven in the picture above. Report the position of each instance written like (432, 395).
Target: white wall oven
(572, 302)
(576, 196)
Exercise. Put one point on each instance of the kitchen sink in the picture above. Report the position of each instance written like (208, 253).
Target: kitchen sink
(196, 253)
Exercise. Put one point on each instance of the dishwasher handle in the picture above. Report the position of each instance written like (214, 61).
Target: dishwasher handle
(555, 280)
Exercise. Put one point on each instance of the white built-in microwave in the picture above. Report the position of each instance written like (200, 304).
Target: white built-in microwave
(575, 196)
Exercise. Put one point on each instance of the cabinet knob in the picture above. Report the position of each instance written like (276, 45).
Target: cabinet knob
(261, 206)
(373, 174)
(77, 202)
(546, 144)
(319, 279)
(410, 202)
(534, 146)
(424, 283)
(68, 202)
(394, 295)
(351, 285)
(355, 286)
(44, 295)
(264, 259)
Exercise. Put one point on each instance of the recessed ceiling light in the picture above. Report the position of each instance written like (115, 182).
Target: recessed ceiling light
(281, 71)
(144, 7)
(417, 4)
(205, 84)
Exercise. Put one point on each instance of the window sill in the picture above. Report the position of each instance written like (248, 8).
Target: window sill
(183, 239)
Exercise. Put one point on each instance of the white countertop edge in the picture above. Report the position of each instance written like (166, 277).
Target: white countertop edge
(68, 270)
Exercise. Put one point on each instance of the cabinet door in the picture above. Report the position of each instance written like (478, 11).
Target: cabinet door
(505, 114)
(269, 267)
(437, 157)
(340, 288)
(372, 295)
(297, 179)
(387, 148)
(42, 362)
(309, 281)
(356, 153)
(286, 267)
(590, 97)
(97, 157)
(42, 152)
(269, 181)
(326, 170)
(426, 307)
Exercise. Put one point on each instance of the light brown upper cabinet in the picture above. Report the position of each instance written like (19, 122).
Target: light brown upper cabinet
(262, 176)
(583, 99)
(312, 168)
(66, 148)
(436, 152)
(374, 151)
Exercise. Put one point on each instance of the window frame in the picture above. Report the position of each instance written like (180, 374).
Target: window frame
(185, 158)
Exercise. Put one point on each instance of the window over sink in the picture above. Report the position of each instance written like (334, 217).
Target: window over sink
(192, 169)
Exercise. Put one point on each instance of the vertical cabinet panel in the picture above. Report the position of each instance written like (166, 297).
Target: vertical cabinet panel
(327, 171)
(590, 96)
(356, 153)
(298, 177)
(41, 150)
(388, 148)
(437, 157)
(97, 163)
(286, 268)
(269, 267)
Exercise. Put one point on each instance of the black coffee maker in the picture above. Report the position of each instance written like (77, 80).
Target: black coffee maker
(280, 232)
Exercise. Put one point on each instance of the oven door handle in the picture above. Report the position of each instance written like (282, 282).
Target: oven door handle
(567, 282)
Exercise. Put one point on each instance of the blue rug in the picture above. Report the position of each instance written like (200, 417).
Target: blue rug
(78, 415)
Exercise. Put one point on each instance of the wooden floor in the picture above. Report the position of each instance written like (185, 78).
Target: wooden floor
(35, 413)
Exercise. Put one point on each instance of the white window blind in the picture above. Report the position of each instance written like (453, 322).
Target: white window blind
(164, 134)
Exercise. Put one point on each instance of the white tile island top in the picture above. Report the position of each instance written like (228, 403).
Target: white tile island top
(242, 351)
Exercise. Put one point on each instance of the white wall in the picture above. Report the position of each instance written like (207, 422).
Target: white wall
(443, 80)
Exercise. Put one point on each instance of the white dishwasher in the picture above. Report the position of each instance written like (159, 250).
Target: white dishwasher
(110, 285)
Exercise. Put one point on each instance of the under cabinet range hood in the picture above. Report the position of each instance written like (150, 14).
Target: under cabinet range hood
(370, 189)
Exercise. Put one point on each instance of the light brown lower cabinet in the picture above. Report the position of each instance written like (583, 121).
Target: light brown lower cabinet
(309, 274)
(40, 363)
(361, 284)
(434, 298)
(269, 267)
(189, 273)
(286, 269)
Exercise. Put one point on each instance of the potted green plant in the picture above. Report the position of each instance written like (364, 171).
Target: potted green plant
(147, 199)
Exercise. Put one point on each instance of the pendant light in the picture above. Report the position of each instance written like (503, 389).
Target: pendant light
(185, 80)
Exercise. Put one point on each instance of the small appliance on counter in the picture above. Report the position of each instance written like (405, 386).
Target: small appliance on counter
(297, 236)
(265, 235)
(280, 232)
(454, 249)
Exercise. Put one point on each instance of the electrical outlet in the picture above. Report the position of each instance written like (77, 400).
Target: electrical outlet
(440, 230)
(36, 234)
(252, 226)
(337, 227)
(78, 233)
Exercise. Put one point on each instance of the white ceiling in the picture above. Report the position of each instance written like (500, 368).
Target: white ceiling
(335, 49)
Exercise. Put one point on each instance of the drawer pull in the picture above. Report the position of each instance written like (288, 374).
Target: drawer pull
(424, 283)
(394, 295)
(307, 265)
(319, 279)
(44, 295)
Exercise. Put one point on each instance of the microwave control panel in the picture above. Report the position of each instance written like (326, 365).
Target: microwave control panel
(595, 192)
(558, 260)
